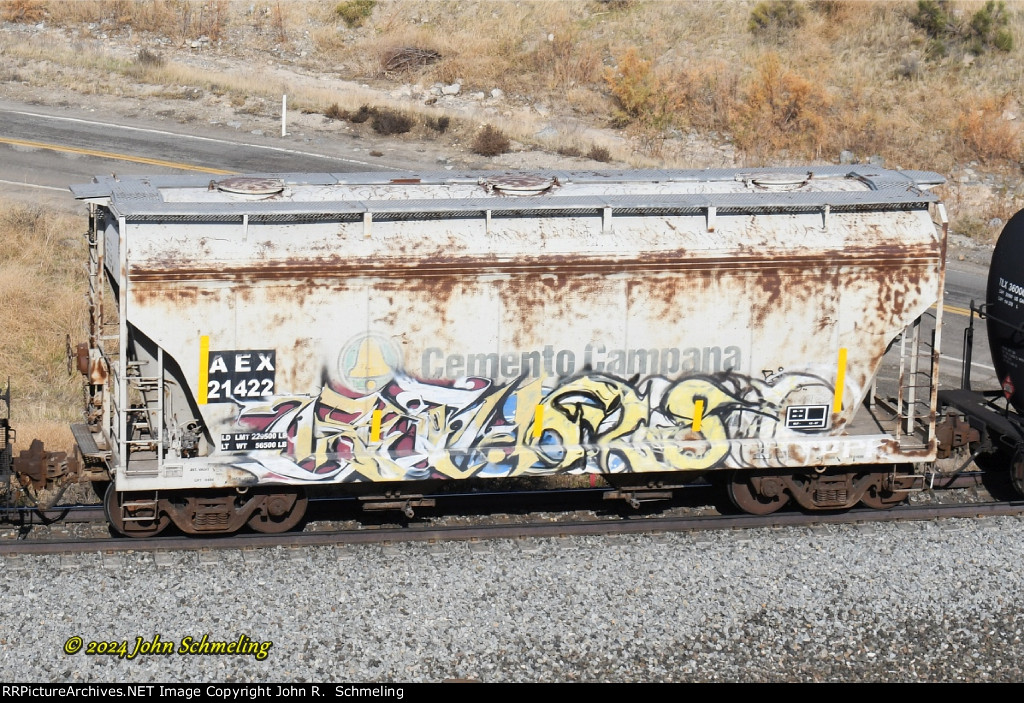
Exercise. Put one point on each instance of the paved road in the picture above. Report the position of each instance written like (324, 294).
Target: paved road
(965, 282)
(44, 149)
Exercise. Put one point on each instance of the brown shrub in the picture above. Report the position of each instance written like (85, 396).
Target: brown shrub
(782, 110)
(985, 134)
(707, 95)
(25, 11)
(389, 122)
(335, 112)
(364, 113)
(439, 124)
(642, 94)
(490, 141)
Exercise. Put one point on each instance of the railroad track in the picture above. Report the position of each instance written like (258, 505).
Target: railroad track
(500, 527)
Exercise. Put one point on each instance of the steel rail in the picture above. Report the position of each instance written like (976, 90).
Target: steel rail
(514, 531)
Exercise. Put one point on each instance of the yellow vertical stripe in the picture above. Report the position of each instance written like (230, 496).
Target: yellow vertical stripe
(375, 426)
(698, 413)
(837, 400)
(204, 368)
(538, 421)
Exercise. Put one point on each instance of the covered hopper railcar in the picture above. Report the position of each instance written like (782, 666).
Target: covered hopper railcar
(255, 336)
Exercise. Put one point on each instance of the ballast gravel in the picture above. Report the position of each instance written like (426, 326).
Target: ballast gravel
(875, 602)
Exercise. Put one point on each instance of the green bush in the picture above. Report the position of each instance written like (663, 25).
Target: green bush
(933, 17)
(1003, 40)
(774, 17)
(355, 12)
(989, 28)
(986, 29)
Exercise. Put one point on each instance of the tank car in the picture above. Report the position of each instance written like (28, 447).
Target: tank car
(258, 337)
(992, 421)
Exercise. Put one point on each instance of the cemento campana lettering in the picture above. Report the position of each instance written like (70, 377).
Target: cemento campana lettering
(565, 362)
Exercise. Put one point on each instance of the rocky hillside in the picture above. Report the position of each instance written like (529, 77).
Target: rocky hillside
(582, 83)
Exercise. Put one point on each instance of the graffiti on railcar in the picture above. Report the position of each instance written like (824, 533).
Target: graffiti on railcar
(408, 428)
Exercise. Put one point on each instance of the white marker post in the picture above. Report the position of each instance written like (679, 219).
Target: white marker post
(284, 111)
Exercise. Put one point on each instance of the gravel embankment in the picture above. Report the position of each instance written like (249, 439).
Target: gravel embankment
(902, 602)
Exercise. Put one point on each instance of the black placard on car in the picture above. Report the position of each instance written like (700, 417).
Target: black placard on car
(240, 376)
(807, 418)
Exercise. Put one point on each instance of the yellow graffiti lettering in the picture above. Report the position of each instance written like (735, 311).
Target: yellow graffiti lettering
(708, 446)
(597, 422)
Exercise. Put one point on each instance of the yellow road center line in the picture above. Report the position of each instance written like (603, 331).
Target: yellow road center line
(956, 311)
(112, 155)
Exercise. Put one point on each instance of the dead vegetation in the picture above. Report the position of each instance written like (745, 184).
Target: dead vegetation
(915, 83)
(407, 59)
(781, 80)
(490, 141)
(42, 296)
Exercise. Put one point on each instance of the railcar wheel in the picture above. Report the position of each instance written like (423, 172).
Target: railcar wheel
(757, 494)
(279, 512)
(879, 498)
(134, 514)
(1017, 470)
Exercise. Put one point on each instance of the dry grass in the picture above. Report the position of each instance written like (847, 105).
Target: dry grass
(986, 134)
(853, 75)
(42, 300)
(849, 76)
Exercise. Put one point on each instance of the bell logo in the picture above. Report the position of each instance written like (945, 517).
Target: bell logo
(368, 362)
